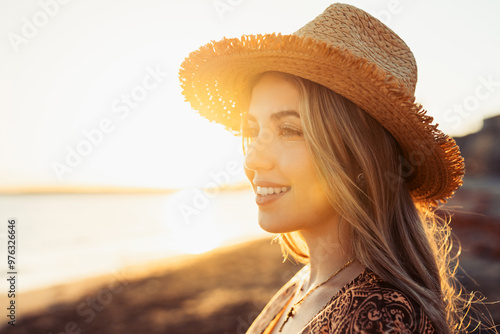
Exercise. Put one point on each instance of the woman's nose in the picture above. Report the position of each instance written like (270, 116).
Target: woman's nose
(259, 155)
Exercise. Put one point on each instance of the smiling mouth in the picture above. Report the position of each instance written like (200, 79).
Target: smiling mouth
(266, 191)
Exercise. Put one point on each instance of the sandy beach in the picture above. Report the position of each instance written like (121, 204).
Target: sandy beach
(216, 292)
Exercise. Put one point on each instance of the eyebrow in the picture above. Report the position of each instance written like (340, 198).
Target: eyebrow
(277, 115)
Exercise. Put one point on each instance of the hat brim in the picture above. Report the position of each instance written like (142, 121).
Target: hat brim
(216, 78)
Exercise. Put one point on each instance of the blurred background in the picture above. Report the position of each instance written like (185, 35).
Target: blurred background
(133, 213)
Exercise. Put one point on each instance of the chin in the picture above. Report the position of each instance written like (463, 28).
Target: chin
(274, 225)
(270, 228)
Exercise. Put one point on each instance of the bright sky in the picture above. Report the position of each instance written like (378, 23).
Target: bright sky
(67, 67)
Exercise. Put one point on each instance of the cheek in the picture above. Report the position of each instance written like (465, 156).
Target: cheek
(310, 190)
(302, 172)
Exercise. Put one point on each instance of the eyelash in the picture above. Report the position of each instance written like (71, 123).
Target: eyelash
(283, 131)
(290, 131)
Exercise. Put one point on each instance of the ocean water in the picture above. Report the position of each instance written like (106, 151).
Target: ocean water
(64, 237)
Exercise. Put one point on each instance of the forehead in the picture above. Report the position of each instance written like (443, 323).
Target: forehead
(273, 93)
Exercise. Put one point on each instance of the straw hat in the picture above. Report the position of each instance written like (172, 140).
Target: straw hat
(353, 54)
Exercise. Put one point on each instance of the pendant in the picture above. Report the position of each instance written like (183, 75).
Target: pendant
(290, 314)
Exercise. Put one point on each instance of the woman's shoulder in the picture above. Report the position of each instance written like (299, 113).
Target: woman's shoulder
(368, 304)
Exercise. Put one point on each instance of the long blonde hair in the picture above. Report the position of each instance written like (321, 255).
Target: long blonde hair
(399, 239)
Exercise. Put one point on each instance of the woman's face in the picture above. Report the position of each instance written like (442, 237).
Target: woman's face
(278, 164)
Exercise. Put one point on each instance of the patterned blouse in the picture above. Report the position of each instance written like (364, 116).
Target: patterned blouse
(367, 304)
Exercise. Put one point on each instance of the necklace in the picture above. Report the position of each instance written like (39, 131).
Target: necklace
(293, 310)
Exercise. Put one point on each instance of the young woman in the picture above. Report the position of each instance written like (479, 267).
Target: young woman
(346, 168)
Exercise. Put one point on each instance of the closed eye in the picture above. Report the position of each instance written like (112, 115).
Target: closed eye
(288, 131)
(251, 131)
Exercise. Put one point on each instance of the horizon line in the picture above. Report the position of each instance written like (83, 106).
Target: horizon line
(38, 190)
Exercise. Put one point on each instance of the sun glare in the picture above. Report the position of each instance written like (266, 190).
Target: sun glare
(197, 241)
(190, 219)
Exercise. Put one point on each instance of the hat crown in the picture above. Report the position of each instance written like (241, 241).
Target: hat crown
(354, 31)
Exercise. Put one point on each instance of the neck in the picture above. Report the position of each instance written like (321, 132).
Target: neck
(326, 255)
